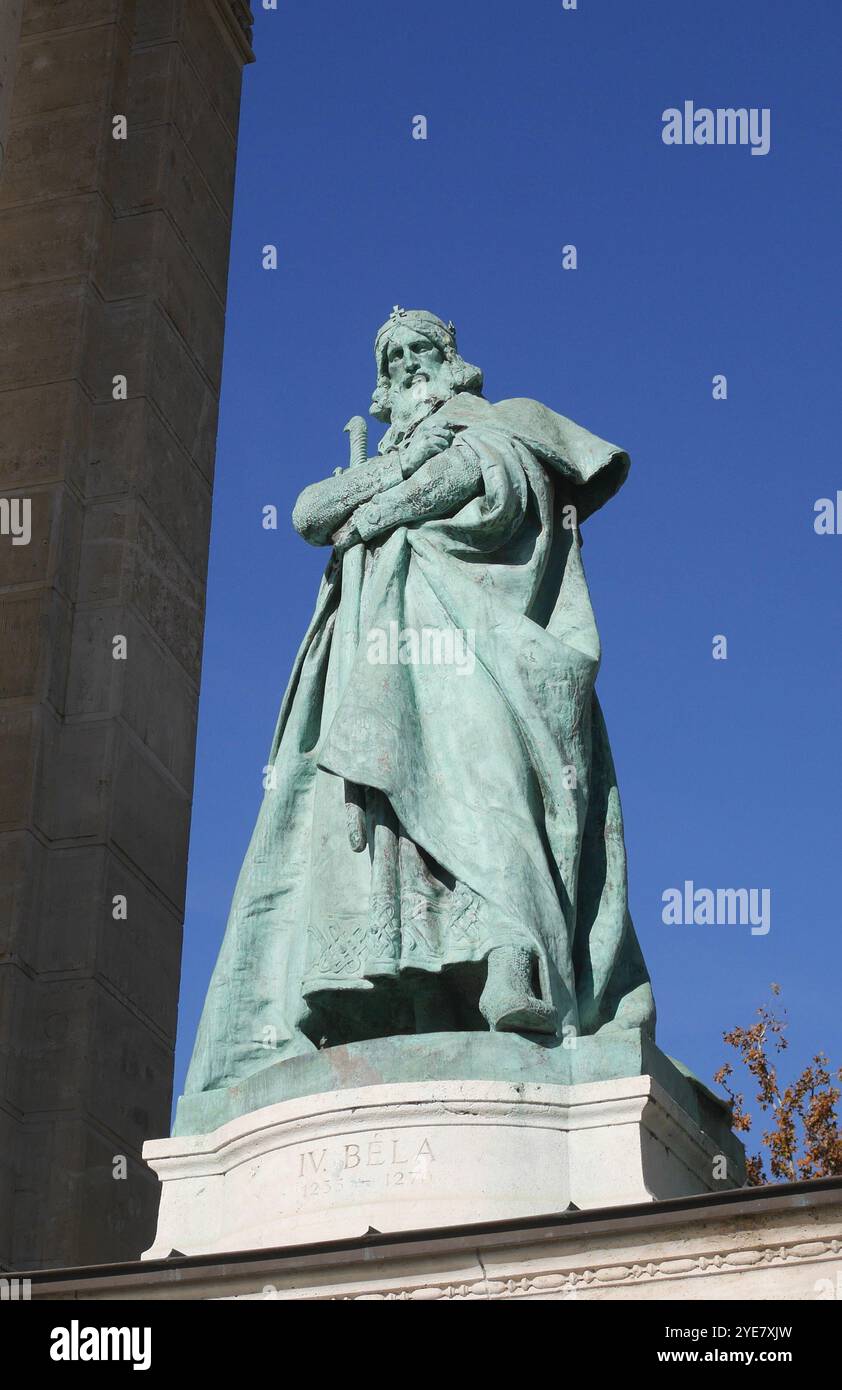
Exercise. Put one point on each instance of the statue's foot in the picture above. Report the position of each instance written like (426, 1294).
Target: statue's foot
(636, 1011)
(518, 1013)
(507, 1003)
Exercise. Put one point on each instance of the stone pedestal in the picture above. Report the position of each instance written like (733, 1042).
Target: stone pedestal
(421, 1155)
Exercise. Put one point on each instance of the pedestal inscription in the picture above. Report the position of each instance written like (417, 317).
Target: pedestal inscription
(422, 1155)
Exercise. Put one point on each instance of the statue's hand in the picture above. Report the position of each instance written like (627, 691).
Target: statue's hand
(426, 443)
(346, 536)
(355, 803)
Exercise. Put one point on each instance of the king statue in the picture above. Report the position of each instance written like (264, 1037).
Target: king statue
(440, 845)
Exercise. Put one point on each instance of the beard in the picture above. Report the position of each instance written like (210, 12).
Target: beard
(412, 404)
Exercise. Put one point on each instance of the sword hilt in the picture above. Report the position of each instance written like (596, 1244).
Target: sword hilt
(357, 430)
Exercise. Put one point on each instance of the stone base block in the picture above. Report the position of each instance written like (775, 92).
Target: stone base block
(423, 1155)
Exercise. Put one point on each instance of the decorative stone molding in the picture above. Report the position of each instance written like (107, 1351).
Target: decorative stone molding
(237, 20)
(751, 1244)
(569, 1283)
(243, 16)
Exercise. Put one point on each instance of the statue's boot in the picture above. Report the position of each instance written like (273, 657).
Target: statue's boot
(507, 1003)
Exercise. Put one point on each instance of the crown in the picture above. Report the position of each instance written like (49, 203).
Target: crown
(398, 315)
(420, 319)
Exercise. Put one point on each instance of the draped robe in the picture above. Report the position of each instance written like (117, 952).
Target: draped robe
(493, 814)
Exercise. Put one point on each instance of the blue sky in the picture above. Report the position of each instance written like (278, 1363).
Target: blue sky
(544, 130)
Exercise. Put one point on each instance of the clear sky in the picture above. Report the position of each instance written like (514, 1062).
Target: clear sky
(544, 130)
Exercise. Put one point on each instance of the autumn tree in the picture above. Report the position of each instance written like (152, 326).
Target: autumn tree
(803, 1140)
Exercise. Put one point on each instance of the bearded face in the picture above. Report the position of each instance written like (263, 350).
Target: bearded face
(420, 376)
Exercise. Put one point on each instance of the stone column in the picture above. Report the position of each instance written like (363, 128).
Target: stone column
(112, 296)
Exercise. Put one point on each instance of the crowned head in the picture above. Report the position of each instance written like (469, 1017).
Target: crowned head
(418, 367)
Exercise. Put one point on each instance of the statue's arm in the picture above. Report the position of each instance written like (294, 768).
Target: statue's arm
(323, 507)
(439, 488)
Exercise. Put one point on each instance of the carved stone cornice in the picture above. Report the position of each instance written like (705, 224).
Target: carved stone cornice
(237, 21)
(570, 1282)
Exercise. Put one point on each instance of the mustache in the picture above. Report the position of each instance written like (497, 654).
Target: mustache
(440, 386)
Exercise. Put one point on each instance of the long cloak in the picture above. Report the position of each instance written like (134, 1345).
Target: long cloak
(493, 790)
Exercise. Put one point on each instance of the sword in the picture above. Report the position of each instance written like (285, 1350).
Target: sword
(352, 576)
